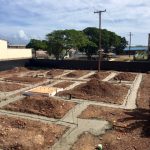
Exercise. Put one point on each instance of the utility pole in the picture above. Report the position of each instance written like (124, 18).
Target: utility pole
(130, 42)
(100, 37)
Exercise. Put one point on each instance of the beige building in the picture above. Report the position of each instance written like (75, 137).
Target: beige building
(12, 53)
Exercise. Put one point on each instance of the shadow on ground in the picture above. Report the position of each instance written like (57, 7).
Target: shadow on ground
(138, 118)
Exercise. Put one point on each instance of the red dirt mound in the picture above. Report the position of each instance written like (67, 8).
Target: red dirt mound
(100, 75)
(55, 72)
(77, 74)
(63, 84)
(125, 76)
(99, 91)
(71, 75)
(44, 106)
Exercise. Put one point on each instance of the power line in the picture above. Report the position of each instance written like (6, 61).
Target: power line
(100, 37)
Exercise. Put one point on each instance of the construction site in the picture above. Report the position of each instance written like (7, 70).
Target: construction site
(57, 109)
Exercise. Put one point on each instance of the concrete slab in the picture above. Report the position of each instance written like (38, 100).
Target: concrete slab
(43, 90)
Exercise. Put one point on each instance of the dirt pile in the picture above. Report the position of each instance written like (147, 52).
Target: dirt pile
(102, 89)
(55, 72)
(7, 87)
(99, 91)
(39, 105)
(76, 74)
(99, 75)
(63, 84)
(72, 75)
(125, 76)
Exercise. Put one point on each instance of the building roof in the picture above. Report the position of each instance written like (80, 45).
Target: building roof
(140, 48)
(3, 40)
(16, 45)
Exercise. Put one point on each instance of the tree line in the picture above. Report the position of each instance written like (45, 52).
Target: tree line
(59, 42)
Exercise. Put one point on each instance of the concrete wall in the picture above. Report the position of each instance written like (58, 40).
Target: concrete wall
(13, 53)
(10, 64)
(3, 45)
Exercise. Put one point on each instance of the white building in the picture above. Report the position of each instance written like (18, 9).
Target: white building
(13, 53)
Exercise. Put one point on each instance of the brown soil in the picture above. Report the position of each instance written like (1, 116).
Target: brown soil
(55, 72)
(125, 76)
(7, 87)
(63, 84)
(90, 143)
(131, 128)
(13, 71)
(77, 74)
(98, 91)
(29, 80)
(44, 106)
(105, 113)
(22, 134)
(112, 140)
(144, 93)
(99, 75)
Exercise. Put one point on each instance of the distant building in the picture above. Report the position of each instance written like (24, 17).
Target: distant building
(135, 49)
(14, 52)
(17, 46)
(41, 54)
(82, 56)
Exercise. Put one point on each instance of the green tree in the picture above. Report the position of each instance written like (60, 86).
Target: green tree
(37, 44)
(56, 48)
(66, 40)
(90, 49)
(108, 40)
(93, 34)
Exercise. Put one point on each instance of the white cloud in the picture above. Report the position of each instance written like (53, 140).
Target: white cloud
(22, 34)
(38, 17)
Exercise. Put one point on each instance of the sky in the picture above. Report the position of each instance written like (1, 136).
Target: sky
(21, 20)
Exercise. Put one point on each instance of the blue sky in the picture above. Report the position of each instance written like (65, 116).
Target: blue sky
(21, 20)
